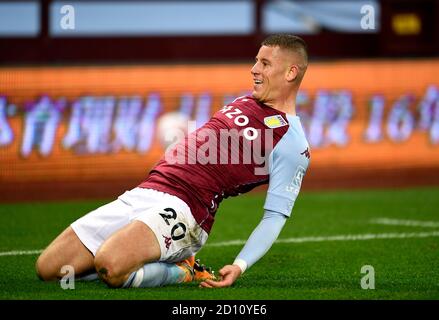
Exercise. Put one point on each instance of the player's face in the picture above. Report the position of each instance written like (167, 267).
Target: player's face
(269, 74)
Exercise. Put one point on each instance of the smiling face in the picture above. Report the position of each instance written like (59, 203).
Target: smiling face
(275, 75)
(270, 74)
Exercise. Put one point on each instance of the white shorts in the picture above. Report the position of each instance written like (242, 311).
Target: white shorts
(169, 217)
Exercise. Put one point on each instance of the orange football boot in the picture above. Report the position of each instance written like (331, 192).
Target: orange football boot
(195, 271)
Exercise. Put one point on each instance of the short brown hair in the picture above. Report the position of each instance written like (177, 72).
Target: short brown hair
(290, 42)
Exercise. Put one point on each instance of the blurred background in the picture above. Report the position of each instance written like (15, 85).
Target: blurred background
(83, 84)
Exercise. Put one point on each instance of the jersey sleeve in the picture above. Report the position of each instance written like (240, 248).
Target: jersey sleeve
(287, 167)
(261, 239)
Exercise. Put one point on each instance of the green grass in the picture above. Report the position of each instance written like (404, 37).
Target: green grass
(404, 268)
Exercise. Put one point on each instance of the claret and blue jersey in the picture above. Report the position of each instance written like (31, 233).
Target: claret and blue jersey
(279, 156)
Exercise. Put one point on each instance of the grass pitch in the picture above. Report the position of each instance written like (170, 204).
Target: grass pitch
(321, 251)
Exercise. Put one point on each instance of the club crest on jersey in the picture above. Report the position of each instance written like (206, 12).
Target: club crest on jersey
(274, 122)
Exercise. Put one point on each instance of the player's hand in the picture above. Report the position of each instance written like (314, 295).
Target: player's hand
(228, 275)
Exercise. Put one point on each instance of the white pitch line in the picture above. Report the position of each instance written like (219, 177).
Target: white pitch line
(346, 237)
(407, 223)
(20, 253)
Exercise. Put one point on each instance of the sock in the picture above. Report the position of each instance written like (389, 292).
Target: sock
(88, 277)
(155, 274)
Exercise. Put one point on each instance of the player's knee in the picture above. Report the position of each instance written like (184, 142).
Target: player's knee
(44, 270)
(108, 270)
